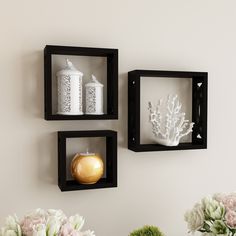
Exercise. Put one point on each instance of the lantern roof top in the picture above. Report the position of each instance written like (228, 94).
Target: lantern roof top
(94, 83)
(69, 69)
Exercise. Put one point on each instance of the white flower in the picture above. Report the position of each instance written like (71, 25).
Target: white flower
(211, 234)
(195, 218)
(219, 228)
(8, 232)
(57, 214)
(76, 221)
(53, 226)
(39, 230)
(11, 228)
(213, 208)
(37, 213)
(88, 233)
(55, 218)
(208, 234)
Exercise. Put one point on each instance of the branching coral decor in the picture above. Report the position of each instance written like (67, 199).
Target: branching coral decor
(174, 127)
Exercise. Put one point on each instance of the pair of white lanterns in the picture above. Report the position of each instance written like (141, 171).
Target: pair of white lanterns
(70, 93)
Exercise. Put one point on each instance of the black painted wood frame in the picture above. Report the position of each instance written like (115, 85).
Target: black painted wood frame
(112, 80)
(199, 109)
(111, 160)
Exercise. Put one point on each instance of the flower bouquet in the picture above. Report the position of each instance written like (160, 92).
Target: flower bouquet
(45, 223)
(147, 230)
(214, 216)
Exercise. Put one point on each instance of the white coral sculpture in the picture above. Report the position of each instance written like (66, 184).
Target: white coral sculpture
(175, 125)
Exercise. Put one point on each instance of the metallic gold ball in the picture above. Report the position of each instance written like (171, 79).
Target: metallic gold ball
(87, 168)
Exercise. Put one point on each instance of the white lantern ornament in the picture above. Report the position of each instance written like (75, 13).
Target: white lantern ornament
(94, 97)
(69, 82)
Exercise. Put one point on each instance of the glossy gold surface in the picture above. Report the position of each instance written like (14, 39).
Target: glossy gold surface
(87, 168)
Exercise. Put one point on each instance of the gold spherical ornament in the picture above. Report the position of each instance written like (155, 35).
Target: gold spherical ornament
(87, 168)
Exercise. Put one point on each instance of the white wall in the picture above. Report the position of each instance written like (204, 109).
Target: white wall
(154, 188)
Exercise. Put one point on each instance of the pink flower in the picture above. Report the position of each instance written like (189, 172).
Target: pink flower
(229, 201)
(28, 225)
(230, 218)
(32, 221)
(68, 230)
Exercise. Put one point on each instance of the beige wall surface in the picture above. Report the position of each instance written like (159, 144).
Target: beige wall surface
(154, 188)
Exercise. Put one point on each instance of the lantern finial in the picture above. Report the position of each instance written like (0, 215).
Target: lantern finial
(94, 79)
(68, 62)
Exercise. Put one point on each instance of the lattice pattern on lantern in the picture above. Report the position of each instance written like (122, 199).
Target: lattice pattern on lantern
(94, 97)
(90, 100)
(64, 99)
(80, 95)
(69, 90)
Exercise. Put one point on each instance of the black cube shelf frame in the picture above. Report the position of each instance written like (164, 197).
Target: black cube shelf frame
(199, 109)
(111, 160)
(112, 80)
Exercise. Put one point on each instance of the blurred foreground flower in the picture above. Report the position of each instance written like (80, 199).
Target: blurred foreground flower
(213, 216)
(45, 223)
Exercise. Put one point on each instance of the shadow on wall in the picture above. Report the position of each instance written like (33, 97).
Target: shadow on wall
(33, 107)
(32, 76)
(122, 124)
(47, 158)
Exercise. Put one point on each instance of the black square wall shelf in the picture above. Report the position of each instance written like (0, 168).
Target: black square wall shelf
(199, 109)
(111, 160)
(111, 56)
